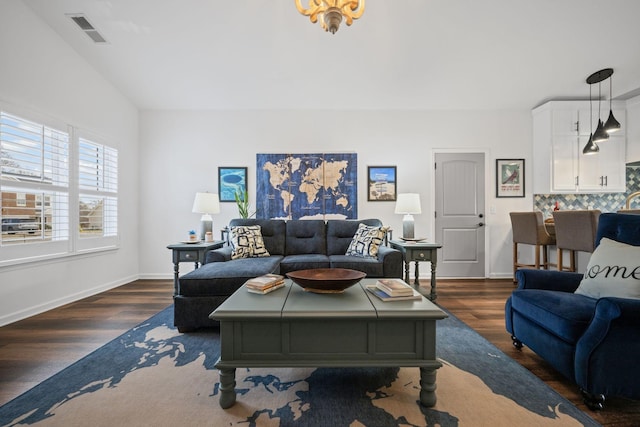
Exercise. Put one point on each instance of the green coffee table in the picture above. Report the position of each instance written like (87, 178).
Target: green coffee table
(293, 328)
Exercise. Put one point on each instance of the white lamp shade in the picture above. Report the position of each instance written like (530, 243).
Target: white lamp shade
(206, 203)
(408, 203)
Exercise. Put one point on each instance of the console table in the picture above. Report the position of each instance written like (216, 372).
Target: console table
(293, 328)
(190, 252)
(416, 252)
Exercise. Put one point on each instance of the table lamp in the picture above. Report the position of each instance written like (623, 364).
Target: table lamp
(206, 204)
(408, 204)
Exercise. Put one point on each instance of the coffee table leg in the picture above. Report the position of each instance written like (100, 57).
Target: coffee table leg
(427, 387)
(227, 387)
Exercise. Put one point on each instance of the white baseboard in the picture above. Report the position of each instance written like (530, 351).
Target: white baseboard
(155, 276)
(501, 275)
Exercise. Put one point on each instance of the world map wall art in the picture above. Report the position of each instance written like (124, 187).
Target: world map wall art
(304, 186)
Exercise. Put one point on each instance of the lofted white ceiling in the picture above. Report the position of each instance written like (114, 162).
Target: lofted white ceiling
(402, 54)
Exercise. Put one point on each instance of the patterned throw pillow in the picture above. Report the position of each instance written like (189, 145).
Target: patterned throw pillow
(247, 242)
(366, 241)
(613, 271)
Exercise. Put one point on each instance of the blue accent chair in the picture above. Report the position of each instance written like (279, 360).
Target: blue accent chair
(593, 342)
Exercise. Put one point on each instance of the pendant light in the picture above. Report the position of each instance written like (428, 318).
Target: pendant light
(600, 135)
(591, 147)
(612, 124)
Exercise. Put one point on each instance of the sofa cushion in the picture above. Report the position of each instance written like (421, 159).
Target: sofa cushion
(372, 266)
(366, 241)
(303, 262)
(563, 314)
(246, 241)
(224, 278)
(306, 237)
(340, 233)
(613, 271)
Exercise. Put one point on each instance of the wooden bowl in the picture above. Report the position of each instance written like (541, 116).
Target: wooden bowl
(326, 280)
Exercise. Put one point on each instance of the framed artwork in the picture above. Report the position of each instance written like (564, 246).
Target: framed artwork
(509, 177)
(307, 185)
(382, 185)
(230, 181)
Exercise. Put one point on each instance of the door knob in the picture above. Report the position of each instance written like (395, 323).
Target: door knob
(481, 216)
(480, 224)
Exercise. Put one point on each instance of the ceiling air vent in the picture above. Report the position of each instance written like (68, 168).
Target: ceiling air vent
(84, 24)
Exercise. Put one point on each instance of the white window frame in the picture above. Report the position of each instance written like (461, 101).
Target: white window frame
(105, 189)
(71, 244)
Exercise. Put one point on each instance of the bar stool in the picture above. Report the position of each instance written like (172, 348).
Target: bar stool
(528, 228)
(575, 231)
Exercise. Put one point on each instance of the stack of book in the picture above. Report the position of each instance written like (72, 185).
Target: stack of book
(394, 290)
(264, 284)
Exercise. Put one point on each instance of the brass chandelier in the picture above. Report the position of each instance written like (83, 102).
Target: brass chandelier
(331, 12)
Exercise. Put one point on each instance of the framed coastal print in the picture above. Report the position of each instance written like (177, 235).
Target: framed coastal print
(230, 181)
(382, 183)
(509, 177)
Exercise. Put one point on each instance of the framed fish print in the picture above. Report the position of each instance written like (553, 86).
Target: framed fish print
(230, 181)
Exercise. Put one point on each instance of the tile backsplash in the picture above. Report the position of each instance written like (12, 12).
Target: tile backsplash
(606, 202)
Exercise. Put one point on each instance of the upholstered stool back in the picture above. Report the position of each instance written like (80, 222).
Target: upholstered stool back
(575, 231)
(528, 228)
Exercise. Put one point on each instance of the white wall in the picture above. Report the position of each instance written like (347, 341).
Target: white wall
(40, 73)
(183, 149)
(179, 153)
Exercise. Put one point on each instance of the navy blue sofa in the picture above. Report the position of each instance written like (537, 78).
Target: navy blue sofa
(292, 245)
(593, 342)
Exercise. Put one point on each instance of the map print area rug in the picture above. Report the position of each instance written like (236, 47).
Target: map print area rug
(154, 376)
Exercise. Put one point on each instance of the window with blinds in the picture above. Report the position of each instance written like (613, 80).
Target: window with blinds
(98, 184)
(34, 181)
(44, 172)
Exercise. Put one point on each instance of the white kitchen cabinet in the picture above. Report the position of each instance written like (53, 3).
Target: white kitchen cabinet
(633, 130)
(605, 171)
(560, 132)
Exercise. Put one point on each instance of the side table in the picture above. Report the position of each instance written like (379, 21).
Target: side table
(416, 252)
(190, 252)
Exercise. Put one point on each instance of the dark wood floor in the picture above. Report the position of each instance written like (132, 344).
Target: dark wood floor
(36, 348)
(33, 349)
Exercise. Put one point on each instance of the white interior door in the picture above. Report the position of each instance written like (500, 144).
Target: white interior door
(459, 214)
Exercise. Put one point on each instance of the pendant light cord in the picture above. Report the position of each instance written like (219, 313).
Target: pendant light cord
(599, 98)
(610, 98)
(590, 113)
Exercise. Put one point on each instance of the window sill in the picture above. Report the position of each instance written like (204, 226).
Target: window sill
(24, 262)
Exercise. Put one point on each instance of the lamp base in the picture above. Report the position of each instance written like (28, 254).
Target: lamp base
(408, 227)
(206, 225)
